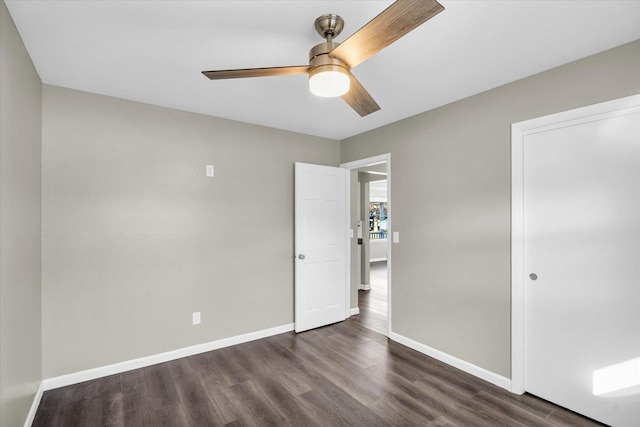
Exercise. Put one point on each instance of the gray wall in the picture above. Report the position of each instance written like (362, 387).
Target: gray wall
(451, 202)
(355, 248)
(20, 225)
(136, 238)
(365, 270)
(377, 249)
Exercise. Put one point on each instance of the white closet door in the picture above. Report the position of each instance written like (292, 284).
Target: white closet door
(582, 243)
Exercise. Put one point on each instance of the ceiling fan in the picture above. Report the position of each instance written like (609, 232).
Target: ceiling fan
(330, 62)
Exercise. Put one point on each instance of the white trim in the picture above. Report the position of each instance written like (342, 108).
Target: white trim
(378, 259)
(116, 368)
(566, 118)
(358, 277)
(354, 311)
(370, 161)
(563, 123)
(463, 365)
(34, 406)
(347, 225)
(517, 260)
(389, 229)
(362, 287)
(518, 132)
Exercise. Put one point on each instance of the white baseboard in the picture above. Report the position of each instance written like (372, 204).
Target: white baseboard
(354, 311)
(116, 368)
(463, 365)
(34, 406)
(362, 287)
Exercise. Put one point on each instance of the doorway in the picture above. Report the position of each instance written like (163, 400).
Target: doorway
(370, 257)
(372, 292)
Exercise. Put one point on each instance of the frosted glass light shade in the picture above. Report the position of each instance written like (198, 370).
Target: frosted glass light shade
(330, 83)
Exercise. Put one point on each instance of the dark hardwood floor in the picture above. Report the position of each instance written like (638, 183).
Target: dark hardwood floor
(340, 375)
(346, 374)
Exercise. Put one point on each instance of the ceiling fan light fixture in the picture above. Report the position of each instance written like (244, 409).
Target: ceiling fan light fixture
(329, 81)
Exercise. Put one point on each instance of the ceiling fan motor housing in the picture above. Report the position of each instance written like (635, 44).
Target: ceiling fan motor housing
(328, 76)
(320, 61)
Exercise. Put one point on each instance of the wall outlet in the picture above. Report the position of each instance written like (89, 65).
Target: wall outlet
(210, 171)
(196, 317)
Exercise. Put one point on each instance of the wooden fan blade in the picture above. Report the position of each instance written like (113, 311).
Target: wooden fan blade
(394, 22)
(256, 72)
(359, 99)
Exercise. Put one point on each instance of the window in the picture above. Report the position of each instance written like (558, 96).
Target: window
(378, 220)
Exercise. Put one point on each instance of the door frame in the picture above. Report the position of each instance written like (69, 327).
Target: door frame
(518, 132)
(370, 161)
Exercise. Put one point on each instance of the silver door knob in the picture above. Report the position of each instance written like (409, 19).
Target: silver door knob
(301, 256)
(533, 276)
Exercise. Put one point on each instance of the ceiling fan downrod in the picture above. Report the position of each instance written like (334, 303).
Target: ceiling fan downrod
(329, 26)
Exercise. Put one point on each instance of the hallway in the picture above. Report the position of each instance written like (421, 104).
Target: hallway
(373, 303)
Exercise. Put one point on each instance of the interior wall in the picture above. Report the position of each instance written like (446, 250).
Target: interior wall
(451, 202)
(377, 250)
(136, 237)
(354, 199)
(365, 270)
(20, 226)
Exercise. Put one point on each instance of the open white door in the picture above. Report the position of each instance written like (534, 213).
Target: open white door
(321, 246)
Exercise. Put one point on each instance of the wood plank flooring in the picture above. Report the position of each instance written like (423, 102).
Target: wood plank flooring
(373, 303)
(340, 375)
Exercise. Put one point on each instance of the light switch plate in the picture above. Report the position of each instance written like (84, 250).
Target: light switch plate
(396, 237)
(210, 171)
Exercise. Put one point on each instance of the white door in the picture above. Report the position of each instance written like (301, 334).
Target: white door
(321, 245)
(582, 266)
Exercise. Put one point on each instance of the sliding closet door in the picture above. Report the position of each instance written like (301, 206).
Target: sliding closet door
(582, 266)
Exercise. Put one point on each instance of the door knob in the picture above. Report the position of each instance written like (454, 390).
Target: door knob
(533, 276)
(301, 256)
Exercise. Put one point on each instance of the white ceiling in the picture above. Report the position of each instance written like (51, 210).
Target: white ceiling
(153, 52)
